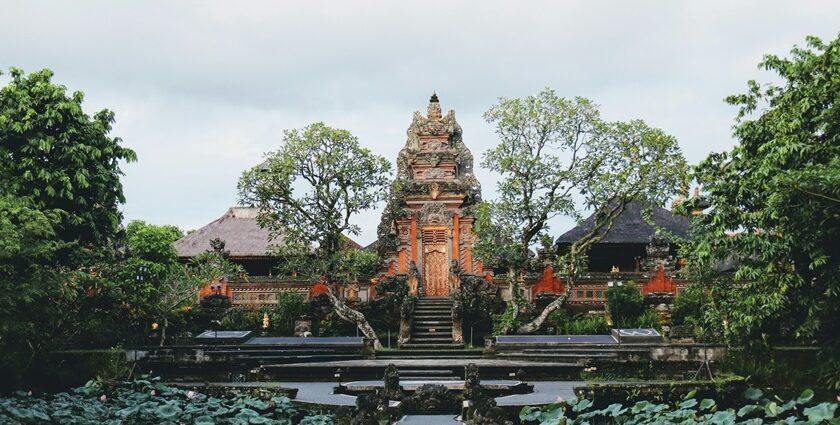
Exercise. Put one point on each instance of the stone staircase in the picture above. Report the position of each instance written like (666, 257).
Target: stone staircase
(432, 325)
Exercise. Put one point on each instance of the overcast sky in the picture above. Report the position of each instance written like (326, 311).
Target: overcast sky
(201, 89)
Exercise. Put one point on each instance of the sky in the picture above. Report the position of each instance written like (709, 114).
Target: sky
(202, 89)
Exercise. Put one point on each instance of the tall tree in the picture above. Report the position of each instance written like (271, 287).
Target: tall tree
(307, 192)
(59, 198)
(557, 157)
(778, 192)
(60, 158)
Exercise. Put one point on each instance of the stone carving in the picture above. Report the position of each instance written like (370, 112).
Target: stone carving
(472, 383)
(454, 275)
(658, 254)
(370, 407)
(434, 181)
(413, 279)
(435, 213)
(392, 383)
(431, 399)
(406, 319)
(434, 190)
(353, 291)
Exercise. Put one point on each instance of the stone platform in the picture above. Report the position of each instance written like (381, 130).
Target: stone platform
(373, 369)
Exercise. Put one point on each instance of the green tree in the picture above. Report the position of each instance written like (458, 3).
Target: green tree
(59, 198)
(307, 192)
(28, 275)
(139, 279)
(778, 192)
(60, 158)
(557, 157)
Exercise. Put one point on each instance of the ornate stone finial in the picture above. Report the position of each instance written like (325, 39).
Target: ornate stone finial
(434, 112)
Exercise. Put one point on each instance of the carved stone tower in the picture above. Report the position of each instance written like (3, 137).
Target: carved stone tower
(426, 228)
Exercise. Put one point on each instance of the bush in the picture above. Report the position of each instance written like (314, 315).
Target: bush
(688, 306)
(649, 319)
(281, 316)
(625, 304)
(563, 324)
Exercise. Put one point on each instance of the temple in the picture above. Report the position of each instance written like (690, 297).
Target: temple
(426, 228)
(426, 235)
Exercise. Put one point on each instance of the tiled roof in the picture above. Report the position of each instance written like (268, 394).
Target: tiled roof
(630, 226)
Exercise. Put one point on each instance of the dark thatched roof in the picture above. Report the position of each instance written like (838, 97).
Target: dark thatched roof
(242, 234)
(630, 227)
(238, 228)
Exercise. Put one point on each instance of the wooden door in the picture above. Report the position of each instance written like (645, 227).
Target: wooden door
(435, 263)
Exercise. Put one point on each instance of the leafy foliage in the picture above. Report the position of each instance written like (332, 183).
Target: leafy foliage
(625, 304)
(307, 192)
(150, 402)
(60, 158)
(557, 157)
(755, 410)
(578, 325)
(282, 315)
(778, 191)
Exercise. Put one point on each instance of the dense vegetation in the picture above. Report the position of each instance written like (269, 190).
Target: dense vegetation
(151, 402)
(755, 410)
(775, 211)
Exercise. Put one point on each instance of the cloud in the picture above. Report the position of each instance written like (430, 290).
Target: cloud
(202, 88)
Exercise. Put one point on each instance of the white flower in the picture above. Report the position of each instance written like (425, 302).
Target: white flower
(190, 394)
(103, 397)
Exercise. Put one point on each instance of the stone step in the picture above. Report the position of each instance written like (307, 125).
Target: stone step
(412, 345)
(423, 322)
(430, 378)
(426, 324)
(431, 339)
(557, 354)
(420, 353)
(425, 372)
(446, 311)
(423, 334)
(432, 316)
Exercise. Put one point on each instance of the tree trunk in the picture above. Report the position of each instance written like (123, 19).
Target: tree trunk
(354, 317)
(163, 331)
(538, 321)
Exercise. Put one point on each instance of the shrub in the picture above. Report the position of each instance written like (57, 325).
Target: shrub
(648, 319)
(563, 324)
(688, 306)
(625, 304)
(281, 316)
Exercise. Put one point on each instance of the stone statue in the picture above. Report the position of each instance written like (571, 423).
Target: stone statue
(454, 275)
(369, 408)
(392, 383)
(472, 383)
(413, 279)
(353, 291)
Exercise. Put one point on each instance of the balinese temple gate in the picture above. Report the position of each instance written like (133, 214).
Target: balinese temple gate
(426, 229)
